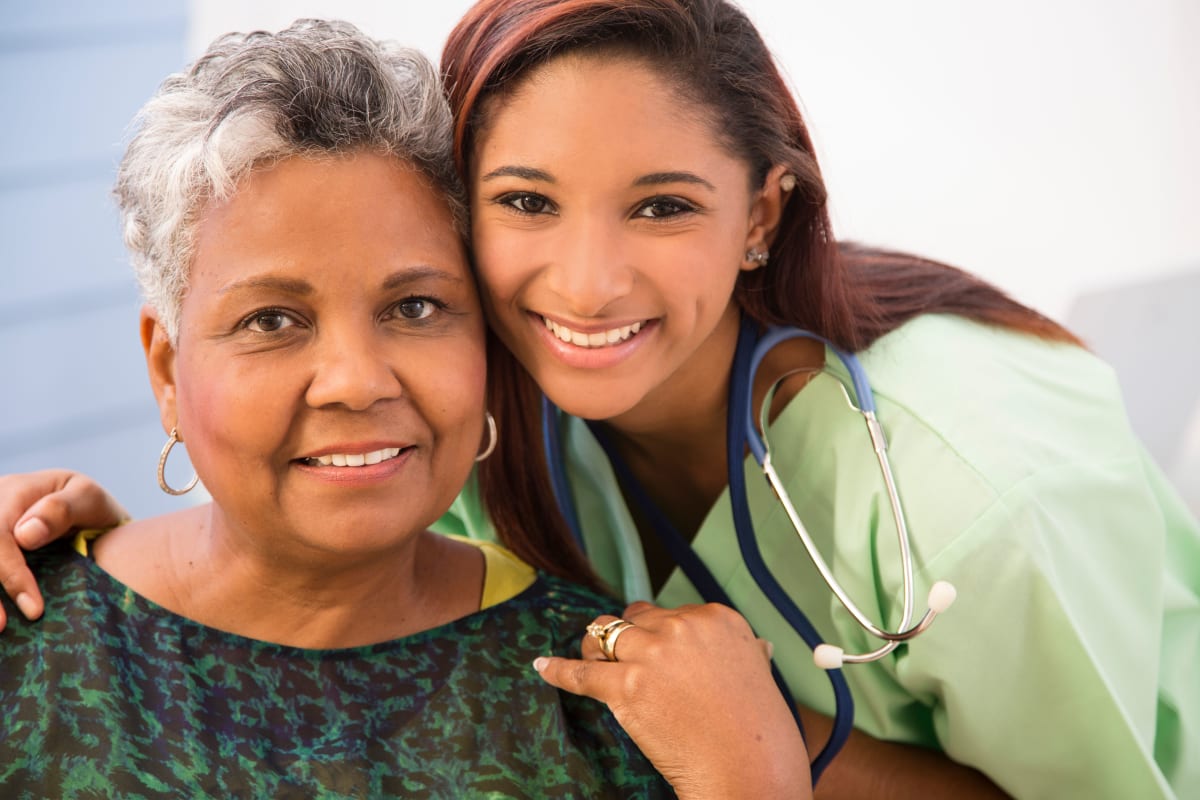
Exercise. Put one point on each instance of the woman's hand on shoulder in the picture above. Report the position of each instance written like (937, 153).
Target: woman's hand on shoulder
(36, 508)
(693, 688)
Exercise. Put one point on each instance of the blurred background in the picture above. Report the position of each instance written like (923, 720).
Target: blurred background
(1048, 146)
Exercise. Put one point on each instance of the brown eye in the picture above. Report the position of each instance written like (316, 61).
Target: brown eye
(416, 308)
(663, 207)
(526, 202)
(268, 321)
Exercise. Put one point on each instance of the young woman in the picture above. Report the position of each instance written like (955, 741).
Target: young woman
(645, 203)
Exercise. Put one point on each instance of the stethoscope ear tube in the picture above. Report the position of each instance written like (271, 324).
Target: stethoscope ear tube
(941, 594)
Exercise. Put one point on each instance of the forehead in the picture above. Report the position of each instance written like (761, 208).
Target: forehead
(353, 212)
(570, 103)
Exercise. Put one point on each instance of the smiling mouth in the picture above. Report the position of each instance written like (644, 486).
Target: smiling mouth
(354, 459)
(608, 338)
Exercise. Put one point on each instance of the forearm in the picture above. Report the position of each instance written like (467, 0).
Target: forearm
(869, 767)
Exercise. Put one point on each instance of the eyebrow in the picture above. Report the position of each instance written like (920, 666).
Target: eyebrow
(403, 277)
(528, 173)
(655, 178)
(271, 283)
(301, 288)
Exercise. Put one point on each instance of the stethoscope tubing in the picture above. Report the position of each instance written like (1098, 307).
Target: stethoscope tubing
(736, 441)
(864, 403)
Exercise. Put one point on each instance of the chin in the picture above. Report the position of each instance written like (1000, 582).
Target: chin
(357, 534)
(593, 403)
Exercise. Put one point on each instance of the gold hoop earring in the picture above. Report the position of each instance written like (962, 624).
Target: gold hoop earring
(162, 463)
(493, 436)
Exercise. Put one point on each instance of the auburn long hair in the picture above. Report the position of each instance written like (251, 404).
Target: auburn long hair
(716, 58)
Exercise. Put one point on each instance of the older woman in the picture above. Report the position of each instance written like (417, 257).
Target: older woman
(313, 337)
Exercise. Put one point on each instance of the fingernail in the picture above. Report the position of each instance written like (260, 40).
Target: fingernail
(31, 531)
(770, 650)
(27, 605)
(540, 663)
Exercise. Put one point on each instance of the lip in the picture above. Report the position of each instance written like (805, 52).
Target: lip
(591, 357)
(366, 475)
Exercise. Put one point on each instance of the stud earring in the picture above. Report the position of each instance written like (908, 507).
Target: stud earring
(758, 257)
(787, 182)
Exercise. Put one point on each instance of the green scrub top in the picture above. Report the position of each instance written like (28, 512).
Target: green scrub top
(1067, 667)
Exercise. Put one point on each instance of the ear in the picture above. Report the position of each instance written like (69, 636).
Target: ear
(766, 211)
(160, 363)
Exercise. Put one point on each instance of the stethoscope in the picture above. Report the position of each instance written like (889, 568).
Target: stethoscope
(742, 431)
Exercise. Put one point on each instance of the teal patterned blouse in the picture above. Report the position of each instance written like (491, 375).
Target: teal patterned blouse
(109, 695)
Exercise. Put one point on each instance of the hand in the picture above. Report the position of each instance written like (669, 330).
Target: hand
(36, 508)
(693, 689)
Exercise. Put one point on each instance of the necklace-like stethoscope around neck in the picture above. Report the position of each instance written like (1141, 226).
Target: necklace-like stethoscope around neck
(742, 432)
(941, 595)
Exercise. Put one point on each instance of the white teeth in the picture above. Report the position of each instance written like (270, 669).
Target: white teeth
(600, 339)
(356, 459)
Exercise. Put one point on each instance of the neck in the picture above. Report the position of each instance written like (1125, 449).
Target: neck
(191, 564)
(674, 440)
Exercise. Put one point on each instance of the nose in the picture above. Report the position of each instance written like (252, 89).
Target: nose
(589, 269)
(351, 370)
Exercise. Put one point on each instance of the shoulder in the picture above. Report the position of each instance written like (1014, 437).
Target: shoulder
(557, 609)
(64, 578)
(60, 572)
(558, 598)
(938, 358)
(987, 430)
(1005, 403)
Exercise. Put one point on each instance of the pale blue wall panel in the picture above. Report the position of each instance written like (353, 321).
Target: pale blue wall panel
(72, 74)
(68, 367)
(25, 23)
(68, 107)
(60, 238)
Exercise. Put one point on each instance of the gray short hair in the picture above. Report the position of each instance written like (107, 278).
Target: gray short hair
(317, 88)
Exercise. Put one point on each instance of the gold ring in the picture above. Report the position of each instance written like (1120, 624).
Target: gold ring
(607, 635)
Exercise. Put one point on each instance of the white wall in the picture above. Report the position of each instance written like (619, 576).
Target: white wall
(1048, 145)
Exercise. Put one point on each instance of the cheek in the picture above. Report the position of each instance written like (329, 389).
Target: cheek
(469, 379)
(501, 262)
(452, 401)
(450, 381)
(225, 415)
